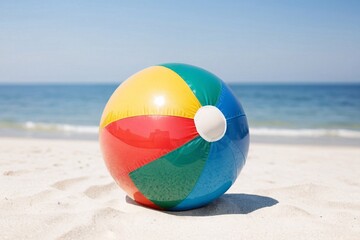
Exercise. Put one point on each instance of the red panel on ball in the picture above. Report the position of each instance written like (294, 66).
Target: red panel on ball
(131, 143)
(109, 144)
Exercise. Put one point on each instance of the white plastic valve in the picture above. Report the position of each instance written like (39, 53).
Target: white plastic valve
(210, 123)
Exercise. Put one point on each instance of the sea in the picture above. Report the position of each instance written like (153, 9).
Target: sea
(277, 113)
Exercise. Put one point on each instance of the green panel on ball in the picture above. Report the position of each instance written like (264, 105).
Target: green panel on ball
(168, 180)
(205, 85)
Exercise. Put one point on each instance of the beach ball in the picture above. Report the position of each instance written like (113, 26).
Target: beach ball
(174, 137)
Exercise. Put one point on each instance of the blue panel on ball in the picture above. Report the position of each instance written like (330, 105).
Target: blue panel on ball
(223, 165)
(242, 136)
(228, 103)
(231, 108)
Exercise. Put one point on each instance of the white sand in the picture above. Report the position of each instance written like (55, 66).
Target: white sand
(58, 189)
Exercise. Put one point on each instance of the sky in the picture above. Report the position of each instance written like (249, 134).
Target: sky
(239, 41)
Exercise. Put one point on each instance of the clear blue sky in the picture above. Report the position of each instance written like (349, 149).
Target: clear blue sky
(240, 41)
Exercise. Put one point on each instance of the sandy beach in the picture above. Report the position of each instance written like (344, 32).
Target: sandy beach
(60, 189)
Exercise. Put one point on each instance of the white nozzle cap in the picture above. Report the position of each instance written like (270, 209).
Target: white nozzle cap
(210, 123)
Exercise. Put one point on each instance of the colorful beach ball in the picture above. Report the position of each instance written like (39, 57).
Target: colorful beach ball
(174, 137)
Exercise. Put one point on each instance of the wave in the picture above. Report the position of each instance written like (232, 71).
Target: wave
(51, 127)
(61, 127)
(343, 133)
(91, 129)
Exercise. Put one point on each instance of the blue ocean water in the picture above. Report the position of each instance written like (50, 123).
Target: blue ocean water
(273, 110)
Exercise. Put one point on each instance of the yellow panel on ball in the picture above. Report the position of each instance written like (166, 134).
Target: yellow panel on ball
(155, 90)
